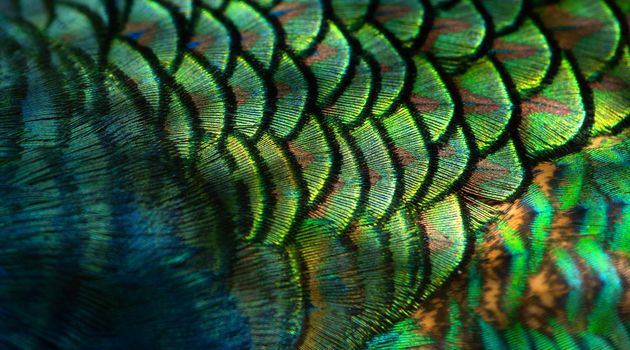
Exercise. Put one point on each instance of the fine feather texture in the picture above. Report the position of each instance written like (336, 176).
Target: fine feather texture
(335, 174)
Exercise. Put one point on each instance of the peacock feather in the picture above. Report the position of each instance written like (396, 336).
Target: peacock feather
(314, 174)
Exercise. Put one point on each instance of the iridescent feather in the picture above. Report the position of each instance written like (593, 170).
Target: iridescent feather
(339, 174)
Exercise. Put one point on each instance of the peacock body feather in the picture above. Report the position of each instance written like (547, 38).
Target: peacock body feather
(332, 174)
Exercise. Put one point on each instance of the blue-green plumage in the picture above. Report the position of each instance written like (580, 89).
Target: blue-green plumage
(314, 174)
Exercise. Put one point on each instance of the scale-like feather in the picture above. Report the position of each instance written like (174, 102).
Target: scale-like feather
(314, 174)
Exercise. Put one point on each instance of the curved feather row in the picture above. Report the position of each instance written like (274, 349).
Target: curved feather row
(549, 273)
(301, 173)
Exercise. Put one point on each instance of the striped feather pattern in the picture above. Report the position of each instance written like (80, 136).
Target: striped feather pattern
(314, 174)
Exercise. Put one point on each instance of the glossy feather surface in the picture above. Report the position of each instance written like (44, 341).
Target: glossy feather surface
(314, 174)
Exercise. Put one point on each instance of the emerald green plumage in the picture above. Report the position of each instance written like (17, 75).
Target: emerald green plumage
(550, 273)
(334, 174)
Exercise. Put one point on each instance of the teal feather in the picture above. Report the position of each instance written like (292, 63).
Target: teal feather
(235, 174)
